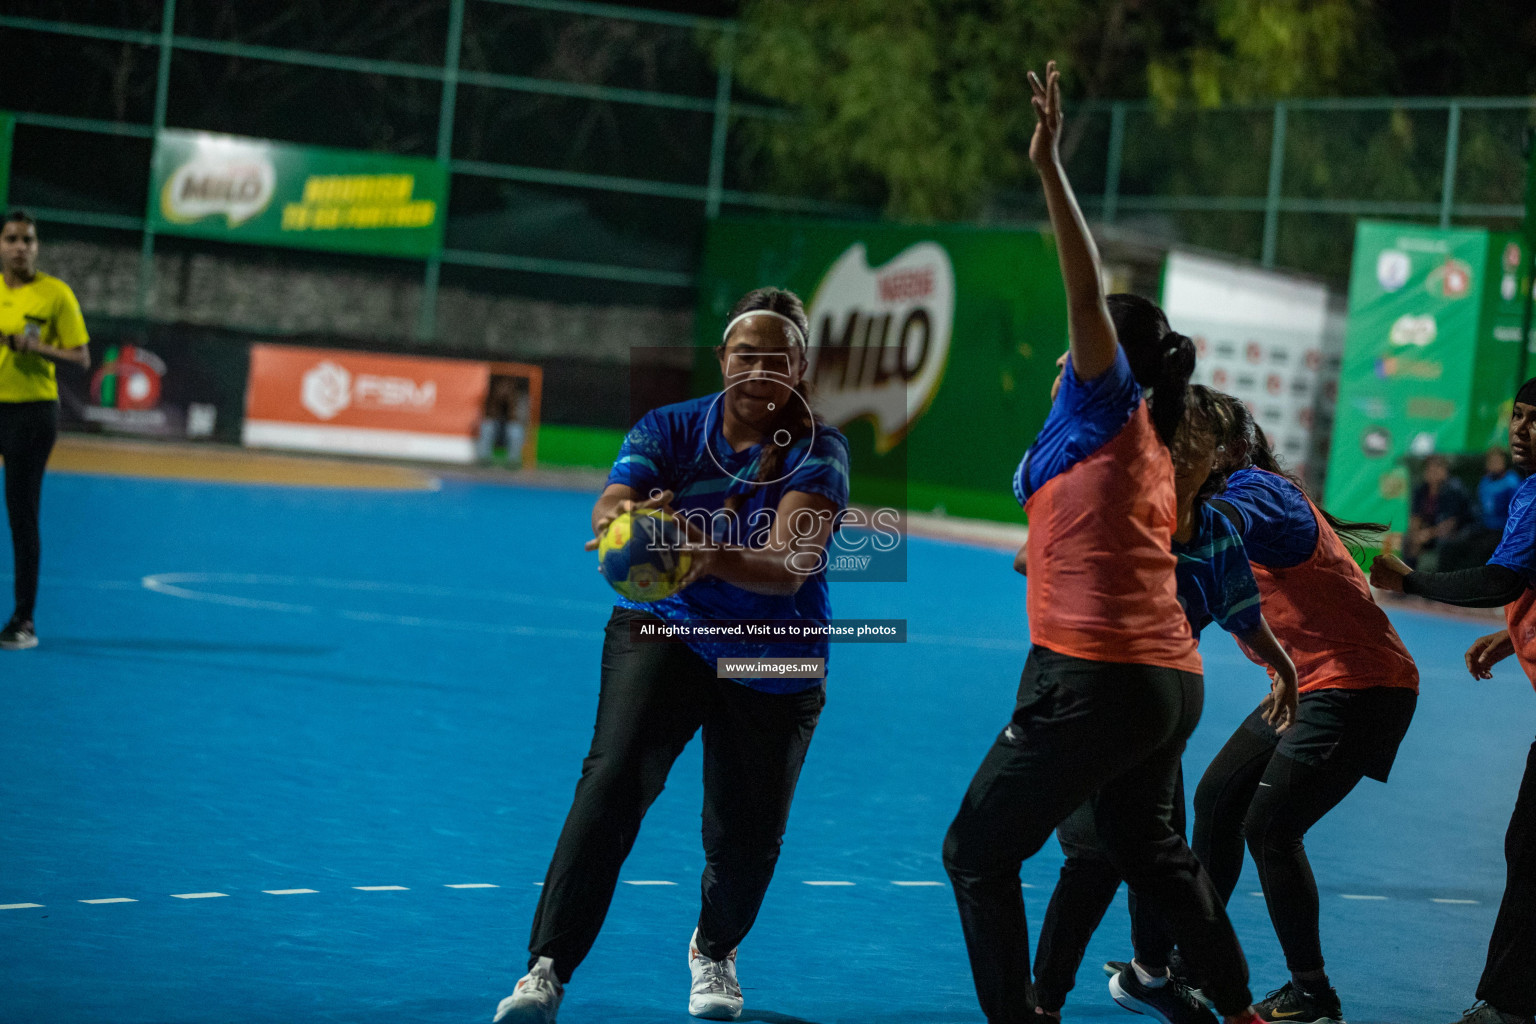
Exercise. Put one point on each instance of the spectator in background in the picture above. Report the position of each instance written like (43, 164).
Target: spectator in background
(1440, 509)
(1475, 544)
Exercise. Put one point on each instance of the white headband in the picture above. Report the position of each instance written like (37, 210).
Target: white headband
(763, 312)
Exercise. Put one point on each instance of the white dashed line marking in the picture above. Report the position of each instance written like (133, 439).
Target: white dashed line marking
(18, 906)
(828, 883)
(471, 885)
(287, 892)
(647, 882)
(1357, 896)
(381, 888)
(1442, 899)
(197, 895)
(917, 883)
(114, 899)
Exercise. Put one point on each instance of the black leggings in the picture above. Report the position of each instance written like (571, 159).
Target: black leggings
(27, 433)
(1082, 730)
(1509, 978)
(1083, 893)
(1269, 790)
(654, 697)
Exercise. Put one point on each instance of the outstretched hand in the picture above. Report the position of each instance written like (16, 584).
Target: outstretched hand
(662, 500)
(1045, 145)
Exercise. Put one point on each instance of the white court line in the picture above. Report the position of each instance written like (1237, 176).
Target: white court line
(1441, 899)
(471, 885)
(1256, 893)
(287, 892)
(627, 882)
(1356, 896)
(382, 888)
(828, 883)
(197, 895)
(917, 883)
(115, 899)
(18, 906)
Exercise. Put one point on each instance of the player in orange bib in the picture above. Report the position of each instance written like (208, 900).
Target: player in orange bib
(1112, 687)
(1507, 990)
(1359, 687)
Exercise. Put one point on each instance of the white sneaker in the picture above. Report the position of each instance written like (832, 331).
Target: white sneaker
(715, 995)
(535, 999)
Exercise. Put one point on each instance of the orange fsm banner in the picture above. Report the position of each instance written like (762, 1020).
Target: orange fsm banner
(363, 403)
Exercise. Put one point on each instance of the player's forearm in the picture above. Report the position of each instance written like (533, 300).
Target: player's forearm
(1483, 586)
(1092, 334)
(771, 569)
(1261, 640)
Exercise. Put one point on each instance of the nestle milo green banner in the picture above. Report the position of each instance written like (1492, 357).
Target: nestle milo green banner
(1429, 356)
(931, 348)
(267, 193)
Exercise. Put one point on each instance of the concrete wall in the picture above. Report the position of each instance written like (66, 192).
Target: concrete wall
(268, 296)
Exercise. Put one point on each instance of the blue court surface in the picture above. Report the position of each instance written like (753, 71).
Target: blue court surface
(294, 755)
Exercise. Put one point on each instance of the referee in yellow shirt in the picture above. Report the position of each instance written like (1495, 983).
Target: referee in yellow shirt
(40, 324)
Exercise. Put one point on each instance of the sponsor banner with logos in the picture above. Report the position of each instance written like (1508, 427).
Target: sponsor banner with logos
(1429, 358)
(157, 380)
(359, 403)
(267, 193)
(1267, 338)
(932, 348)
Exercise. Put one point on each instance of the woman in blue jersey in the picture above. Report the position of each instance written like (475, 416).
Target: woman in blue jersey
(1112, 687)
(1215, 584)
(1264, 791)
(753, 469)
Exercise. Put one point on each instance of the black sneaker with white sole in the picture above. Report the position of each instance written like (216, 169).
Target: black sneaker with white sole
(1176, 969)
(1171, 1002)
(18, 635)
(1293, 1005)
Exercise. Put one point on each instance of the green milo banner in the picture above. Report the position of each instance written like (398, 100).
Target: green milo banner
(1430, 354)
(932, 348)
(267, 193)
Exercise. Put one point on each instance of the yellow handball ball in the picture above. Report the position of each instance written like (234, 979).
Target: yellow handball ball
(640, 554)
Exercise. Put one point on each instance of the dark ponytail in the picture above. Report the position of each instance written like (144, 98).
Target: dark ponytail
(794, 417)
(1246, 445)
(1161, 358)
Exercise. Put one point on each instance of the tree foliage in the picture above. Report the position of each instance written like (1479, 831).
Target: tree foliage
(920, 107)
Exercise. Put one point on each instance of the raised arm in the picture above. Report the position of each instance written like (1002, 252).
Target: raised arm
(1089, 328)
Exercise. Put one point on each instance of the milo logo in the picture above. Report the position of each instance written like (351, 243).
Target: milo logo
(222, 176)
(880, 338)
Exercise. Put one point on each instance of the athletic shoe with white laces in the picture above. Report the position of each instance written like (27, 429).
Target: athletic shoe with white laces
(535, 999)
(715, 994)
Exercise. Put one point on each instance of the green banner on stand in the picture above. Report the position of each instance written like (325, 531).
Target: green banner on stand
(1429, 358)
(267, 193)
(932, 348)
